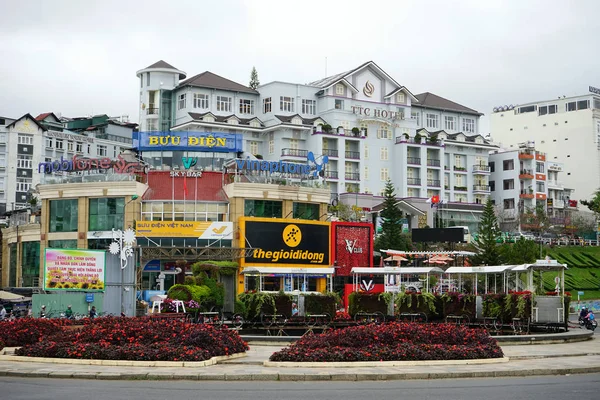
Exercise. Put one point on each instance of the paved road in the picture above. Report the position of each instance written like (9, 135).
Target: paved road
(538, 388)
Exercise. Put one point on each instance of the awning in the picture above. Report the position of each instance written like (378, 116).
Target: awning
(8, 296)
(288, 271)
(490, 269)
(396, 270)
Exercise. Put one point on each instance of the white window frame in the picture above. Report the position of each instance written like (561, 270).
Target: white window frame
(79, 147)
(271, 146)
(102, 150)
(400, 98)
(309, 107)
(24, 161)
(24, 184)
(383, 152)
(267, 108)
(449, 122)
(246, 106)
(60, 144)
(384, 133)
(49, 143)
(384, 174)
(200, 100)
(416, 116)
(468, 125)
(253, 145)
(432, 121)
(339, 89)
(367, 150)
(25, 139)
(70, 145)
(286, 103)
(181, 100)
(224, 103)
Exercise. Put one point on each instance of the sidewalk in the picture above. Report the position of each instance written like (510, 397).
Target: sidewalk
(525, 360)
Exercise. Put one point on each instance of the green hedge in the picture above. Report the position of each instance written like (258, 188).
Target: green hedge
(367, 303)
(321, 304)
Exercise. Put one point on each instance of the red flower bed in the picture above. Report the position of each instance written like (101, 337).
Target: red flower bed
(393, 342)
(30, 330)
(142, 339)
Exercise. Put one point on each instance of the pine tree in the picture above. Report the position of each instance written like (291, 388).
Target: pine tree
(487, 249)
(254, 82)
(391, 229)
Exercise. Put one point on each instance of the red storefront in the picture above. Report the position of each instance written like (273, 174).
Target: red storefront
(351, 246)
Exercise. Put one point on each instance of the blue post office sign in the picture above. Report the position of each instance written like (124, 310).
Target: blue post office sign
(89, 297)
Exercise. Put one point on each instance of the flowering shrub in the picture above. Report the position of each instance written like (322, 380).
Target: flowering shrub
(393, 342)
(30, 330)
(142, 339)
(341, 316)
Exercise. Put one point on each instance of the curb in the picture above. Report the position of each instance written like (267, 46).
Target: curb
(123, 363)
(358, 364)
(375, 376)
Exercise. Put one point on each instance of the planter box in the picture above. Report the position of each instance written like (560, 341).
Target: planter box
(368, 303)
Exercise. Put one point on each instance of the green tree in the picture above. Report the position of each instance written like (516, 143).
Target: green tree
(487, 249)
(594, 203)
(523, 251)
(343, 212)
(254, 82)
(391, 229)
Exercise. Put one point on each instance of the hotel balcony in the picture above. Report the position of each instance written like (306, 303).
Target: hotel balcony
(413, 181)
(354, 155)
(481, 189)
(433, 183)
(526, 155)
(526, 195)
(331, 175)
(526, 174)
(540, 196)
(460, 169)
(460, 188)
(481, 169)
(294, 153)
(433, 163)
(152, 111)
(556, 185)
(352, 176)
(330, 153)
(413, 160)
(554, 203)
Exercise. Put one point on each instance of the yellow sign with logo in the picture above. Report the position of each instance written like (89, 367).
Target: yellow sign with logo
(185, 229)
(284, 242)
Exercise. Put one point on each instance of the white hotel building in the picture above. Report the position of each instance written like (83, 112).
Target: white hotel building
(369, 126)
(566, 128)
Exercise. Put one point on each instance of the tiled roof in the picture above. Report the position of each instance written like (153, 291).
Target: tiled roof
(208, 187)
(213, 81)
(287, 119)
(43, 116)
(430, 100)
(14, 123)
(165, 65)
(221, 119)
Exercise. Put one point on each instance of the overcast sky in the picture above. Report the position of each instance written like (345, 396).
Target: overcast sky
(77, 58)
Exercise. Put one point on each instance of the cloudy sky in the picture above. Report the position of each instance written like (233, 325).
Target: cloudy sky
(80, 57)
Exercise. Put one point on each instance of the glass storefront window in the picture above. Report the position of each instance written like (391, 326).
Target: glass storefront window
(106, 214)
(99, 244)
(30, 263)
(263, 208)
(306, 211)
(62, 244)
(63, 215)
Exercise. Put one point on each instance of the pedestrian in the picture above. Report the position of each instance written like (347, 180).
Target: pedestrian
(69, 312)
(2, 313)
(93, 313)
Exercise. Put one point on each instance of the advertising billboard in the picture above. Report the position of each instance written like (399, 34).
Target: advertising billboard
(352, 246)
(75, 270)
(454, 235)
(188, 229)
(285, 242)
(191, 141)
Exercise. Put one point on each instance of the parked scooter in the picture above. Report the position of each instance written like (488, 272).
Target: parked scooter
(589, 321)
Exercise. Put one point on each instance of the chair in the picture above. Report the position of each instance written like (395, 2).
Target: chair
(177, 303)
(156, 303)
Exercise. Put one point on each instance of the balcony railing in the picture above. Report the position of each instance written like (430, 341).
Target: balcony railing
(355, 155)
(524, 155)
(352, 176)
(526, 195)
(294, 153)
(330, 153)
(481, 168)
(331, 174)
(481, 188)
(460, 169)
(151, 111)
(413, 160)
(433, 183)
(555, 184)
(460, 188)
(526, 174)
(433, 163)
(413, 181)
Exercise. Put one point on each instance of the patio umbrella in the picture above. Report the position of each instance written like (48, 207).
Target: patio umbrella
(395, 258)
(12, 297)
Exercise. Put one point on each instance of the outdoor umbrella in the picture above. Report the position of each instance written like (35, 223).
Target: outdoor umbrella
(8, 296)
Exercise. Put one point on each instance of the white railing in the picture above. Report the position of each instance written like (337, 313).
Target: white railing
(555, 184)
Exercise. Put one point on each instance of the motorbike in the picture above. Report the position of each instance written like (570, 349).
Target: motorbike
(589, 321)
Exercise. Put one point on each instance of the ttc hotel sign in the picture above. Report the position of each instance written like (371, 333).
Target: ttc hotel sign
(285, 242)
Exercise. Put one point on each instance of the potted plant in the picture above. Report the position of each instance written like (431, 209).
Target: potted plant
(355, 131)
(417, 138)
(327, 128)
(433, 139)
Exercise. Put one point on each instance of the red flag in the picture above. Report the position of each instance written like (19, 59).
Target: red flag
(185, 185)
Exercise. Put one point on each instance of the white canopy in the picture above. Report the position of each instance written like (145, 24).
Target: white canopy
(429, 253)
(488, 269)
(292, 271)
(396, 270)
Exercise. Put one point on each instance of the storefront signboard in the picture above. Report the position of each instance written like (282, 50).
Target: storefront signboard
(286, 242)
(185, 229)
(353, 246)
(313, 167)
(188, 141)
(74, 270)
(80, 164)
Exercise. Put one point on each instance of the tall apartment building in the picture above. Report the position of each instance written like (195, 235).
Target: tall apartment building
(370, 127)
(566, 128)
(522, 180)
(27, 143)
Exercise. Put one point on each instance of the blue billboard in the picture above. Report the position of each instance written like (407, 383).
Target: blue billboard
(188, 141)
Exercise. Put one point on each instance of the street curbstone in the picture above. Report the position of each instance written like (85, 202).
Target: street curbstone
(211, 377)
(110, 376)
(292, 377)
(343, 377)
(265, 377)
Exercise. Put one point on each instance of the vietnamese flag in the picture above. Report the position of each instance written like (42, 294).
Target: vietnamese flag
(185, 192)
